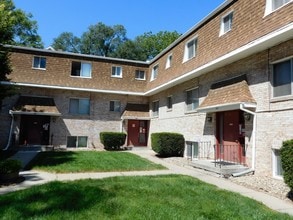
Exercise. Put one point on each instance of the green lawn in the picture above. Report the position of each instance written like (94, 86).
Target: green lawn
(90, 161)
(146, 197)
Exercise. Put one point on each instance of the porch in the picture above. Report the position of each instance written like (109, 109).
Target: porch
(220, 159)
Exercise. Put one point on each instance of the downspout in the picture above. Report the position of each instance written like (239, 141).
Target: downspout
(253, 134)
(10, 132)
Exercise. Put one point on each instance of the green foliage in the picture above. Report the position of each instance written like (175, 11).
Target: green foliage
(66, 41)
(168, 144)
(89, 161)
(10, 166)
(137, 197)
(112, 140)
(287, 162)
(17, 27)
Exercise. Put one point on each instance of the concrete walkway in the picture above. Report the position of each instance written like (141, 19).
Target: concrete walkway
(36, 178)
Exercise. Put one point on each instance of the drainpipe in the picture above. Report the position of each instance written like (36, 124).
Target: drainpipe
(242, 107)
(10, 132)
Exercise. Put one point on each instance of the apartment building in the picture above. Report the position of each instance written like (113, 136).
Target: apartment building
(226, 85)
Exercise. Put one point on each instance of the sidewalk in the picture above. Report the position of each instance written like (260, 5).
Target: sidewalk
(36, 178)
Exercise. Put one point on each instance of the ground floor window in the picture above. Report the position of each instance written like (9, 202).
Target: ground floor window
(192, 149)
(77, 141)
(277, 166)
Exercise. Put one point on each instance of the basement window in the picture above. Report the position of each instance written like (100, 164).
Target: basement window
(76, 141)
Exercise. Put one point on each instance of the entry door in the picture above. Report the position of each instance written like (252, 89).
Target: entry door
(34, 130)
(137, 132)
(229, 136)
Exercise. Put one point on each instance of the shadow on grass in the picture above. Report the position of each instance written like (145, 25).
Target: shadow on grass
(54, 158)
(54, 198)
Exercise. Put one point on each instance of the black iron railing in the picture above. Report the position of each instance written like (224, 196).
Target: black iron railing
(230, 154)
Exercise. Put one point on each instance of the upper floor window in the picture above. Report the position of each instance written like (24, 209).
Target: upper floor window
(79, 106)
(226, 23)
(115, 106)
(39, 63)
(81, 69)
(117, 71)
(190, 49)
(169, 61)
(155, 108)
(140, 74)
(282, 78)
(191, 99)
(155, 71)
(273, 5)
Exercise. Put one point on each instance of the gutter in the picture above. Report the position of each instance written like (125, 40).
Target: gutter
(242, 107)
(10, 131)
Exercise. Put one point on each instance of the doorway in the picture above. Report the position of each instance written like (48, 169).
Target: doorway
(137, 133)
(230, 127)
(34, 130)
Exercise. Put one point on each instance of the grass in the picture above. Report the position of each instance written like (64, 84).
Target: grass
(90, 161)
(147, 197)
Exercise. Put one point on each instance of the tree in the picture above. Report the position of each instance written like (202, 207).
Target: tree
(17, 27)
(66, 41)
(102, 40)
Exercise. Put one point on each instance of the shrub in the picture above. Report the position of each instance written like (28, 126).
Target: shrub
(10, 166)
(287, 162)
(168, 144)
(112, 140)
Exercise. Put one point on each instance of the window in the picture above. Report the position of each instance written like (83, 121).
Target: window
(282, 78)
(190, 49)
(117, 71)
(169, 61)
(191, 99)
(192, 149)
(140, 74)
(81, 69)
(155, 72)
(79, 106)
(39, 63)
(76, 141)
(273, 5)
(115, 106)
(226, 24)
(155, 108)
(277, 166)
(169, 103)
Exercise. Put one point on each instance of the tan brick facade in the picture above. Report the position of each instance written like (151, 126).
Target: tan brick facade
(254, 44)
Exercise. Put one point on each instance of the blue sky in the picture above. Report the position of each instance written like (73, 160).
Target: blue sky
(137, 16)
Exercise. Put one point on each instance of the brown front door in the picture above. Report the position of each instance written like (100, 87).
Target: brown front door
(230, 142)
(137, 132)
(34, 130)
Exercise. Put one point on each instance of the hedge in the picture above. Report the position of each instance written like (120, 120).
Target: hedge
(168, 144)
(112, 140)
(286, 153)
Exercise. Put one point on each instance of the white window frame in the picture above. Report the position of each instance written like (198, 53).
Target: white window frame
(276, 164)
(270, 6)
(187, 56)
(155, 72)
(169, 61)
(77, 141)
(80, 71)
(155, 108)
(116, 71)
(116, 106)
(192, 109)
(273, 77)
(229, 15)
(139, 74)
(79, 106)
(38, 66)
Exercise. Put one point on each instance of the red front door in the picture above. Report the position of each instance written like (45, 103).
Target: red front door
(230, 146)
(137, 133)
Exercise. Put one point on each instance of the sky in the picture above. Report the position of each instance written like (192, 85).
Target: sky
(137, 16)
